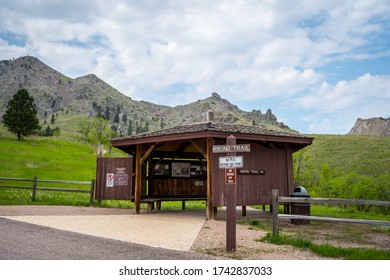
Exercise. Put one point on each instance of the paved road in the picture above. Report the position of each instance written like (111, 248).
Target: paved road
(24, 241)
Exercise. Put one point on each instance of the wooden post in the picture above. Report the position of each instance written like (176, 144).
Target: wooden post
(92, 192)
(243, 210)
(34, 190)
(275, 212)
(209, 207)
(231, 202)
(138, 174)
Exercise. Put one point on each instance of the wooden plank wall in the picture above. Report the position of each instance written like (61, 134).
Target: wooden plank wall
(255, 189)
(168, 187)
(110, 165)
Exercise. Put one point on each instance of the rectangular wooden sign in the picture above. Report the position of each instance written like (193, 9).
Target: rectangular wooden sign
(239, 148)
(230, 176)
(250, 172)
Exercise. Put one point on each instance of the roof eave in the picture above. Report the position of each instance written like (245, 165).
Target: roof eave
(215, 134)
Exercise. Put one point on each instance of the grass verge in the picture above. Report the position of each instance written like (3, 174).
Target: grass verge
(327, 250)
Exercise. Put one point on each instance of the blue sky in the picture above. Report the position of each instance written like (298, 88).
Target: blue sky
(319, 65)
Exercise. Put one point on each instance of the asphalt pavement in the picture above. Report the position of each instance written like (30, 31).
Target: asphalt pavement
(66, 232)
(26, 241)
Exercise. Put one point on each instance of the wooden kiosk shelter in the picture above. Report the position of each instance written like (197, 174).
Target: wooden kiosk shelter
(178, 163)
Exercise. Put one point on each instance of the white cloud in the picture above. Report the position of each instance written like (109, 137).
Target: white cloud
(337, 106)
(347, 94)
(174, 52)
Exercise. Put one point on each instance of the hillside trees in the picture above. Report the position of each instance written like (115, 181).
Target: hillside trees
(101, 130)
(96, 131)
(336, 182)
(20, 117)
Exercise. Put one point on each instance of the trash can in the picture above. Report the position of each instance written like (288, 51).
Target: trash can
(300, 208)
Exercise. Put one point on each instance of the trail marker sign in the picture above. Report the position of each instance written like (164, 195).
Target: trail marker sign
(234, 148)
(230, 176)
(231, 162)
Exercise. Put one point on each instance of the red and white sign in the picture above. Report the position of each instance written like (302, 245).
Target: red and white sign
(230, 176)
(110, 180)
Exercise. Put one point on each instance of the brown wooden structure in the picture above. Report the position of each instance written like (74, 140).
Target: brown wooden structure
(114, 178)
(178, 163)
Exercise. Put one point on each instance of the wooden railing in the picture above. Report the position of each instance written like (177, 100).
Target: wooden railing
(276, 199)
(34, 187)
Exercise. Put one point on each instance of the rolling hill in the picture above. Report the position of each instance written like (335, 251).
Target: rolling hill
(55, 93)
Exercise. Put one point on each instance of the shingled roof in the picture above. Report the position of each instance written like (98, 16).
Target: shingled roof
(211, 128)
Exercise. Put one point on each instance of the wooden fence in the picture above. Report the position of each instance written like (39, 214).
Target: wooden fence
(35, 186)
(276, 199)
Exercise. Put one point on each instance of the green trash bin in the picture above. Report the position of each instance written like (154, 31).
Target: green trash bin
(300, 208)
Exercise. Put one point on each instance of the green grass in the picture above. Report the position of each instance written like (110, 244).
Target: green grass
(364, 155)
(350, 213)
(308, 236)
(327, 250)
(48, 158)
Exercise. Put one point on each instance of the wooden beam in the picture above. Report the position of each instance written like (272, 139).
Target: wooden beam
(182, 147)
(138, 174)
(199, 148)
(290, 170)
(209, 209)
(145, 156)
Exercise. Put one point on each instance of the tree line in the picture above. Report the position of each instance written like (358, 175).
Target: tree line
(21, 119)
(335, 182)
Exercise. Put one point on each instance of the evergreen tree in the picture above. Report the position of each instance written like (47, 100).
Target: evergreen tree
(116, 118)
(130, 128)
(124, 118)
(107, 115)
(20, 116)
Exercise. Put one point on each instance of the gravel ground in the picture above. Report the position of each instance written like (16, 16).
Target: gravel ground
(212, 240)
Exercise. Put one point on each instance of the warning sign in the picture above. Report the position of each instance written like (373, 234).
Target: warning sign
(230, 176)
(110, 180)
(121, 179)
(233, 161)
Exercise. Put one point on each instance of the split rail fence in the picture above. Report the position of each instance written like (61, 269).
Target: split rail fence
(276, 199)
(35, 186)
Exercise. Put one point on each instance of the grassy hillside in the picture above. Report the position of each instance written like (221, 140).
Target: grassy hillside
(365, 155)
(346, 166)
(48, 158)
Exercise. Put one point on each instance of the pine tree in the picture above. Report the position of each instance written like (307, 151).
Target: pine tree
(20, 116)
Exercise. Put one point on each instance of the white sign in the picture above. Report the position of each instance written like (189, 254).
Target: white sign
(231, 162)
(239, 148)
(110, 180)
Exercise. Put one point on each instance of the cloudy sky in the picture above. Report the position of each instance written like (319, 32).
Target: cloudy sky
(319, 65)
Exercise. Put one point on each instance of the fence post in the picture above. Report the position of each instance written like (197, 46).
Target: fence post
(92, 192)
(34, 190)
(275, 212)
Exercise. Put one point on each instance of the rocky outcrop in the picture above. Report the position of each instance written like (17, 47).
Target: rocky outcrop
(373, 126)
(90, 96)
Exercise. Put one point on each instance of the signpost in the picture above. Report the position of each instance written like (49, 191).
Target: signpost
(231, 202)
(230, 162)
